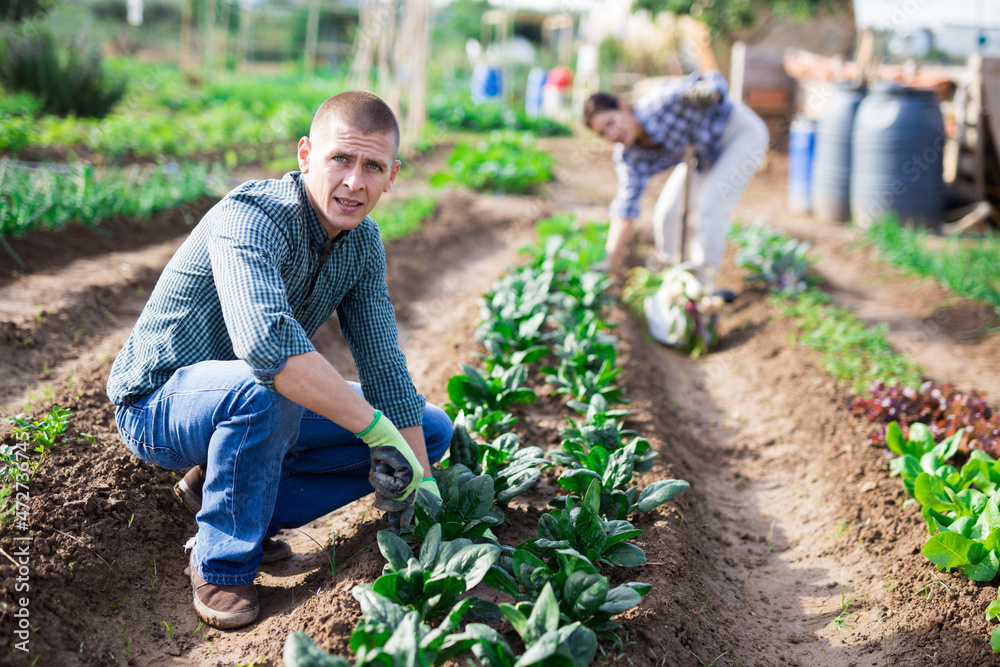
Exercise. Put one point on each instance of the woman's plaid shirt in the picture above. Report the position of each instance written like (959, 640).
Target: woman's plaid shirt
(669, 122)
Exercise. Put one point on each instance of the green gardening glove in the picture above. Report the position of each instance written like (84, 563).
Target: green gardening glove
(395, 472)
(430, 485)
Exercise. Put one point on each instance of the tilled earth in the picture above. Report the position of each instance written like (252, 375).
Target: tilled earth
(792, 546)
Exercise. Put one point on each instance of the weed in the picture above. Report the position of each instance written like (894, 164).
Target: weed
(329, 554)
(200, 626)
(130, 520)
(889, 644)
(128, 648)
(170, 631)
(253, 663)
(702, 662)
(842, 620)
(842, 528)
(770, 537)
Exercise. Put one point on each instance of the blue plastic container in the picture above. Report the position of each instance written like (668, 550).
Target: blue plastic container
(487, 84)
(801, 148)
(533, 92)
(897, 156)
(831, 188)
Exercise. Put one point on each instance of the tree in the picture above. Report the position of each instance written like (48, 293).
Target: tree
(727, 18)
(16, 11)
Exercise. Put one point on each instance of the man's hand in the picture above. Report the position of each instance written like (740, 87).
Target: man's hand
(701, 95)
(395, 472)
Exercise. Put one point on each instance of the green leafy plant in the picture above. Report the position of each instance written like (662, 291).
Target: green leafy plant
(466, 508)
(432, 584)
(401, 217)
(389, 634)
(769, 257)
(992, 613)
(853, 353)
(51, 198)
(65, 80)
(580, 527)
(514, 469)
(968, 268)
(506, 162)
(581, 592)
(485, 399)
(459, 111)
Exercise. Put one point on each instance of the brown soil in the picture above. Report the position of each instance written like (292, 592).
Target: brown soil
(792, 545)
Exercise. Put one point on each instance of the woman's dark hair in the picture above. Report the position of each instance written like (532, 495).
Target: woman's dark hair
(597, 103)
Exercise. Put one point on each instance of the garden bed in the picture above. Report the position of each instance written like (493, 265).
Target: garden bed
(792, 545)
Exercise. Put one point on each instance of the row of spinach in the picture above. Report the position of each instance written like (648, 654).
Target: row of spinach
(421, 610)
(927, 427)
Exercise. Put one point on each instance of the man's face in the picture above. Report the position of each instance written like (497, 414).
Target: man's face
(616, 125)
(345, 172)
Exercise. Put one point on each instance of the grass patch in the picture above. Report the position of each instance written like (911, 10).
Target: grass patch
(969, 268)
(853, 353)
(51, 198)
(403, 216)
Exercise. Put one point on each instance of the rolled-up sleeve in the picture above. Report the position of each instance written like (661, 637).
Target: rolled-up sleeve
(631, 183)
(368, 321)
(246, 261)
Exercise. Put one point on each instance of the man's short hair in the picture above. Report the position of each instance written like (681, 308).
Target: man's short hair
(597, 103)
(364, 111)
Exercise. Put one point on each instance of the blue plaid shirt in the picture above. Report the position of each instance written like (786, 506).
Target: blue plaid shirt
(668, 121)
(248, 284)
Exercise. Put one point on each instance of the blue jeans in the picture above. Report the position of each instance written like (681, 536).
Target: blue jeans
(269, 463)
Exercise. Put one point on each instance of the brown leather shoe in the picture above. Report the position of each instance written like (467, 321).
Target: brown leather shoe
(223, 607)
(188, 491)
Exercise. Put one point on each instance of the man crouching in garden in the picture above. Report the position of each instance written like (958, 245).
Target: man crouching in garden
(219, 374)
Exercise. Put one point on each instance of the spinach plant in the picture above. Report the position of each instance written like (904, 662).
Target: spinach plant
(389, 634)
(514, 469)
(547, 642)
(580, 527)
(465, 509)
(432, 584)
(582, 593)
(485, 399)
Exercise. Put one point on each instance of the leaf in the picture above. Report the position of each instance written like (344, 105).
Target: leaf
(377, 608)
(993, 611)
(920, 439)
(660, 492)
(404, 644)
(894, 439)
(948, 549)
(476, 498)
(995, 640)
(394, 549)
(624, 554)
(577, 480)
(929, 491)
(518, 484)
(300, 651)
(544, 617)
(472, 563)
(619, 530)
(639, 587)
(517, 620)
(984, 570)
(585, 592)
(431, 547)
(619, 599)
